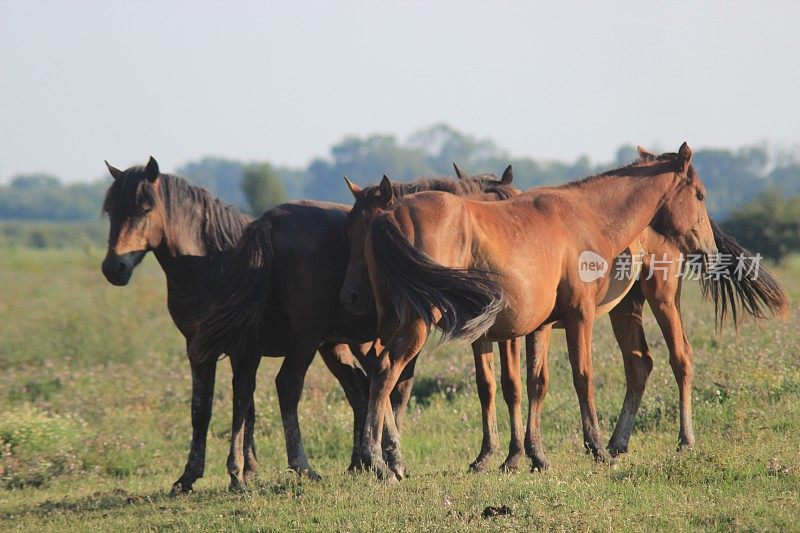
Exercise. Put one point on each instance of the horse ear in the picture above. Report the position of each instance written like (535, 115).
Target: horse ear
(684, 157)
(115, 172)
(151, 171)
(459, 173)
(644, 154)
(508, 176)
(355, 190)
(387, 191)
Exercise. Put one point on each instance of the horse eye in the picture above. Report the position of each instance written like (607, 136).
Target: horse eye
(700, 196)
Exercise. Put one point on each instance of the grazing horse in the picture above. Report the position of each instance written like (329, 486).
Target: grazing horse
(191, 234)
(289, 267)
(498, 270)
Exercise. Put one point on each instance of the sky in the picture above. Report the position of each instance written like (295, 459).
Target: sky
(84, 81)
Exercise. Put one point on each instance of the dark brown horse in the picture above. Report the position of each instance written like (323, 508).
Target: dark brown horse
(191, 234)
(281, 287)
(499, 270)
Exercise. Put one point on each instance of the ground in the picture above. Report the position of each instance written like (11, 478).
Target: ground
(94, 427)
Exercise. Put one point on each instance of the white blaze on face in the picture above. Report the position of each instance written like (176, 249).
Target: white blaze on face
(591, 266)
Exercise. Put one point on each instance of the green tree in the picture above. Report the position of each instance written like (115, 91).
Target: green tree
(262, 187)
(769, 224)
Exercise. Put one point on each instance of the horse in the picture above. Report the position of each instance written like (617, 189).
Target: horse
(498, 270)
(289, 267)
(759, 295)
(355, 295)
(191, 235)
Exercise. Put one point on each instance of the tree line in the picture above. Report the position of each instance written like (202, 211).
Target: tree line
(733, 178)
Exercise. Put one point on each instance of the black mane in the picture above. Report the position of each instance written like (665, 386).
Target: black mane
(187, 206)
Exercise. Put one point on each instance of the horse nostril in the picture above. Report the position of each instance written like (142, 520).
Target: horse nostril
(353, 298)
(120, 267)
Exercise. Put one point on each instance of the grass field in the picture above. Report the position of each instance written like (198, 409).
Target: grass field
(94, 427)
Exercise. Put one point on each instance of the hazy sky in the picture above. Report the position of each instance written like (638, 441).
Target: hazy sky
(85, 81)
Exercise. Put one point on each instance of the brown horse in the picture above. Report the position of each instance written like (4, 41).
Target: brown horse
(758, 294)
(356, 296)
(281, 287)
(191, 235)
(499, 270)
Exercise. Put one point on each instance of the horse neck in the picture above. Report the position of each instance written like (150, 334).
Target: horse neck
(187, 254)
(628, 204)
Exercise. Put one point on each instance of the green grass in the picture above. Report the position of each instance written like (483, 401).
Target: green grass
(94, 427)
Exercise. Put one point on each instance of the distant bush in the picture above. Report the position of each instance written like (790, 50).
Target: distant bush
(768, 224)
(58, 235)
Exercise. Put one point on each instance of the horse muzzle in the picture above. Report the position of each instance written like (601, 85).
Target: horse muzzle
(118, 268)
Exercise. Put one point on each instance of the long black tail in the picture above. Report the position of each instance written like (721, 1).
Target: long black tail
(414, 284)
(752, 290)
(238, 306)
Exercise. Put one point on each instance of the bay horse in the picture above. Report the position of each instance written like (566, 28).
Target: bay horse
(281, 285)
(356, 296)
(759, 295)
(191, 234)
(498, 270)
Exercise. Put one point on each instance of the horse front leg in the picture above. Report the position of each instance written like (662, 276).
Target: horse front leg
(244, 385)
(536, 348)
(384, 374)
(398, 399)
(339, 360)
(485, 381)
(401, 393)
(668, 315)
(512, 393)
(578, 325)
(203, 377)
(626, 321)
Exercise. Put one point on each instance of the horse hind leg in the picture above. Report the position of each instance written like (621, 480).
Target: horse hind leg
(250, 456)
(289, 383)
(203, 377)
(244, 384)
(512, 393)
(536, 348)
(626, 321)
(485, 381)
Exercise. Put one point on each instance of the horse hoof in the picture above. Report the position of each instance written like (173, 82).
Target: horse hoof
(307, 472)
(617, 449)
(685, 448)
(479, 465)
(509, 468)
(356, 467)
(180, 487)
(539, 464)
(399, 471)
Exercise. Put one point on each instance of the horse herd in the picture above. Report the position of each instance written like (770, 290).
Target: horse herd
(364, 286)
